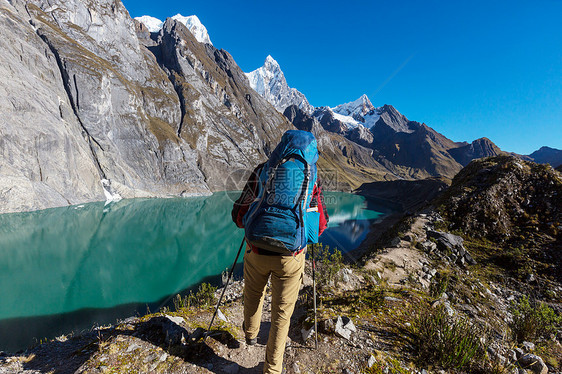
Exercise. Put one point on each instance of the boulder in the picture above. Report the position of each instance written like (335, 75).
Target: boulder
(328, 326)
(428, 246)
(447, 242)
(344, 328)
(395, 242)
(533, 363)
(307, 334)
(170, 327)
(372, 360)
(221, 316)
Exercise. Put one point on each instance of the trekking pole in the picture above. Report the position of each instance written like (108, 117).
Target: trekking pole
(224, 289)
(314, 298)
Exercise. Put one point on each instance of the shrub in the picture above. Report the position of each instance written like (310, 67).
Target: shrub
(533, 320)
(329, 265)
(206, 294)
(390, 366)
(204, 297)
(445, 341)
(184, 303)
(439, 284)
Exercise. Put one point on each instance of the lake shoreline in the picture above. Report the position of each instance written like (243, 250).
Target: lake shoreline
(94, 250)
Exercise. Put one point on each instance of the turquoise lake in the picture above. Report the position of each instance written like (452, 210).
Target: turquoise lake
(66, 269)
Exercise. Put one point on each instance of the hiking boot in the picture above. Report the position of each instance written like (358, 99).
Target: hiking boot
(249, 341)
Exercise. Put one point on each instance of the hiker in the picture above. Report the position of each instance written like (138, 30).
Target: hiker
(282, 210)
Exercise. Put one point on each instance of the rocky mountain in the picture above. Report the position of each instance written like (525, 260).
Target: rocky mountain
(516, 205)
(269, 81)
(352, 120)
(358, 112)
(403, 148)
(418, 154)
(192, 23)
(98, 105)
(399, 148)
(330, 120)
(88, 100)
(547, 155)
(407, 148)
(345, 164)
(392, 121)
(479, 148)
(153, 24)
(503, 198)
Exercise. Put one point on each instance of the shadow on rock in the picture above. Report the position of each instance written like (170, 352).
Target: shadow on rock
(167, 333)
(90, 349)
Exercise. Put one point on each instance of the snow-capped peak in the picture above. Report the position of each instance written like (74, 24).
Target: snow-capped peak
(361, 106)
(271, 61)
(269, 81)
(191, 22)
(152, 24)
(195, 26)
(358, 111)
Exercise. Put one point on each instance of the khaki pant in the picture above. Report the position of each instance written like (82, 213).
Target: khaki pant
(286, 278)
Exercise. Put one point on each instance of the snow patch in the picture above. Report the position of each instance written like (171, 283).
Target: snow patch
(152, 24)
(110, 194)
(193, 24)
(347, 120)
(357, 112)
(195, 27)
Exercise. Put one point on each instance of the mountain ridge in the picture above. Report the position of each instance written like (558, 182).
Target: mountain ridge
(98, 105)
(547, 155)
(362, 122)
(269, 81)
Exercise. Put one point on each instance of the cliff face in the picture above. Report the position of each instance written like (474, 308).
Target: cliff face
(46, 158)
(87, 101)
(228, 124)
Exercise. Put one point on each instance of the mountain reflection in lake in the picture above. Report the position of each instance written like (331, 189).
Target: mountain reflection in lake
(350, 219)
(68, 268)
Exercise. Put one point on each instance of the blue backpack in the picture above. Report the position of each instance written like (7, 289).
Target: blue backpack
(281, 219)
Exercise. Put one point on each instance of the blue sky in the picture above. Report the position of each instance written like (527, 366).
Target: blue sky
(467, 69)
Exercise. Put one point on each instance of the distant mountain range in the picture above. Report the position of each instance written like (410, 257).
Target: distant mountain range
(547, 155)
(97, 104)
(377, 127)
